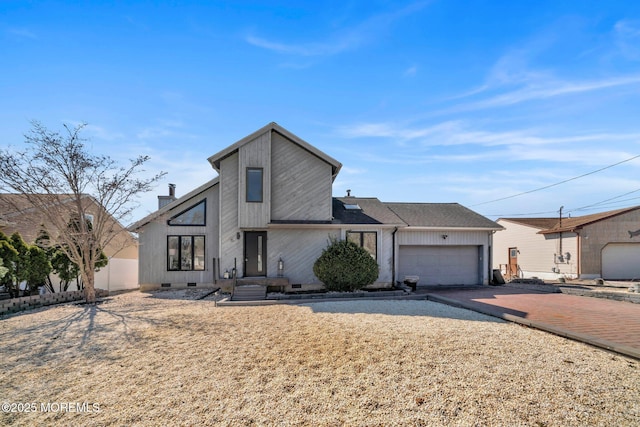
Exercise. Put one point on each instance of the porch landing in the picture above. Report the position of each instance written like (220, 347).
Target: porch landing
(253, 288)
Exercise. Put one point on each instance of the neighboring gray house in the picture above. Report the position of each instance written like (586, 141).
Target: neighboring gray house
(270, 213)
(605, 245)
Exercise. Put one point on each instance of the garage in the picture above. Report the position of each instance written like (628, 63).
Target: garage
(621, 261)
(440, 265)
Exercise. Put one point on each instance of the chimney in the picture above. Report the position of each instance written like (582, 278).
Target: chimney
(165, 200)
(348, 193)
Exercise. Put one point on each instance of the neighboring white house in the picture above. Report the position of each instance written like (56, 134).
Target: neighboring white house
(270, 213)
(605, 245)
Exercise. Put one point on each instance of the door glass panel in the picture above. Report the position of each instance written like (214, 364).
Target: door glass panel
(259, 254)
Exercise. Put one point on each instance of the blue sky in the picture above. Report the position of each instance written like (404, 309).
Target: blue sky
(422, 101)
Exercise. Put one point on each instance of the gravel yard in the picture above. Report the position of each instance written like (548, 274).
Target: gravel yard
(167, 359)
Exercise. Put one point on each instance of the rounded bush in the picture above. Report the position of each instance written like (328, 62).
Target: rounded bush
(345, 267)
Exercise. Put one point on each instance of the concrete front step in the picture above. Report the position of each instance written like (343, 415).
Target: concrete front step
(249, 293)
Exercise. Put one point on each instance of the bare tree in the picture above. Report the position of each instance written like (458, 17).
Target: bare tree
(81, 196)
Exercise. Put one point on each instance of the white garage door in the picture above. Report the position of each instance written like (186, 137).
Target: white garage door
(440, 265)
(621, 261)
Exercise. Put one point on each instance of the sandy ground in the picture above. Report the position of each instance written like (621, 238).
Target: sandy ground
(168, 359)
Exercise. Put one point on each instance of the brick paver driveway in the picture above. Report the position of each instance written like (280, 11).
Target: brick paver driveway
(614, 325)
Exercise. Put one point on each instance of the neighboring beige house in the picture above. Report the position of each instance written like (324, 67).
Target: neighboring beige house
(270, 213)
(605, 245)
(121, 272)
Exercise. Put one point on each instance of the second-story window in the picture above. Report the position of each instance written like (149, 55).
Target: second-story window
(194, 215)
(254, 185)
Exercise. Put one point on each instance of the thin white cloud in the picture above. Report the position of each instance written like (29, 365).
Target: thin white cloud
(103, 133)
(411, 71)
(550, 90)
(513, 79)
(163, 129)
(397, 131)
(627, 38)
(456, 132)
(309, 49)
(352, 171)
(469, 93)
(339, 42)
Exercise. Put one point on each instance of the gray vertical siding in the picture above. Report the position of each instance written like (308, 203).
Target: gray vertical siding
(230, 244)
(255, 154)
(299, 249)
(153, 244)
(301, 183)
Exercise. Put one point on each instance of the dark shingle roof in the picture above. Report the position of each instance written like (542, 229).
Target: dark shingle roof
(451, 215)
(372, 211)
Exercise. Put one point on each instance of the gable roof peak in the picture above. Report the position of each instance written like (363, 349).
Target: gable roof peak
(215, 159)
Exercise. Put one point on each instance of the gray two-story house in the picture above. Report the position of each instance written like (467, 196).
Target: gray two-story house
(270, 212)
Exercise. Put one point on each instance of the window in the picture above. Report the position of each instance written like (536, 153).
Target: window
(365, 239)
(89, 218)
(185, 253)
(254, 185)
(195, 215)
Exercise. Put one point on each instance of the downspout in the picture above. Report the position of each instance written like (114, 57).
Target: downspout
(393, 257)
(579, 254)
(560, 226)
(490, 257)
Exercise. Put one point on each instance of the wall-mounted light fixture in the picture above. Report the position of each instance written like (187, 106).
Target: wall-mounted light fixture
(280, 267)
(444, 237)
(238, 235)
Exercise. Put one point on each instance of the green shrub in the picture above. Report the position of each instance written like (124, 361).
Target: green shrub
(345, 267)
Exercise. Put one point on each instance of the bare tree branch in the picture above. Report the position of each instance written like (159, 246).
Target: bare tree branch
(57, 179)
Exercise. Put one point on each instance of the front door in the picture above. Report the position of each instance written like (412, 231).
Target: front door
(255, 253)
(513, 262)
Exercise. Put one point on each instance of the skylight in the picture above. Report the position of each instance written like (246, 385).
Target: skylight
(352, 207)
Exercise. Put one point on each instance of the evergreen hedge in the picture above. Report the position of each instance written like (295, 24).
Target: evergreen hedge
(345, 267)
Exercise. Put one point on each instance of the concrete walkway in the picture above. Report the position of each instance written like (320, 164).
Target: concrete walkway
(613, 325)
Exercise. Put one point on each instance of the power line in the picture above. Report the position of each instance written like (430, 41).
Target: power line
(530, 214)
(607, 200)
(557, 183)
(593, 206)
